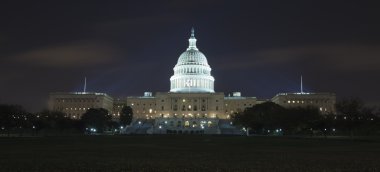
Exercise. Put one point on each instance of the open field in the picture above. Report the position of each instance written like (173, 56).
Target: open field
(187, 153)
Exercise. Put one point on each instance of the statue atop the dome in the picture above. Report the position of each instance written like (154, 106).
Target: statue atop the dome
(192, 41)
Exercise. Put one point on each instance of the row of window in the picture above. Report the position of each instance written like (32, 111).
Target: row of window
(76, 100)
(191, 108)
(187, 124)
(175, 100)
(306, 101)
(191, 70)
(74, 108)
(189, 100)
(245, 104)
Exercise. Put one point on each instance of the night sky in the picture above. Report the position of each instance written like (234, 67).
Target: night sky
(125, 48)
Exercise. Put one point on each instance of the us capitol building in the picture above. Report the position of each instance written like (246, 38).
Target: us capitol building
(191, 105)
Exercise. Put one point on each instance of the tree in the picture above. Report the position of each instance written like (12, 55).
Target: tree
(52, 120)
(97, 118)
(301, 120)
(12, 117)
(126, 115)
(268, 117)
(265, 116)
(351, 109)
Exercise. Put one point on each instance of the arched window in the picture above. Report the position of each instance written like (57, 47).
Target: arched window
(187, 123)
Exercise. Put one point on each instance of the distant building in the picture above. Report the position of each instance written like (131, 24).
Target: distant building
(74, 104)
(325, 102)
(190, 106)
(118, 105)
(237, 103)
(195, 104)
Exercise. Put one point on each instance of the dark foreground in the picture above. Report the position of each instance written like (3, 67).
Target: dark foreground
(187, 153)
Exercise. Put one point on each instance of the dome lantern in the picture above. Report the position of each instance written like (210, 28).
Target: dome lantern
(192, 41)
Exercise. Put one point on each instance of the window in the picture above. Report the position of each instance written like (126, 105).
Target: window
(183, 108)
(175, 108)
(194, 124)
(195, 108)
(216, 108)
(203, 108)
(162, 107)
(187, 123)
(209, 123)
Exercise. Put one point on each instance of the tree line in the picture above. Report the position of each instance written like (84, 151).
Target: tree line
(352, 118)
(15, 120)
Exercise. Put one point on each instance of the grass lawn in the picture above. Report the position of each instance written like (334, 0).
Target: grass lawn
(187, 153)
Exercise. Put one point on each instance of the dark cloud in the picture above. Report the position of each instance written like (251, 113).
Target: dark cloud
(79, 54)
(334, 57)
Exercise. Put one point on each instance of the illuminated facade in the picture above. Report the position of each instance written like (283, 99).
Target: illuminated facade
(75, 104)
(325, 102)
(192, 72)
(191, 105)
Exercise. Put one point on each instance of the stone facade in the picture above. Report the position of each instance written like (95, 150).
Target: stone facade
(325, 102)
(74, 104)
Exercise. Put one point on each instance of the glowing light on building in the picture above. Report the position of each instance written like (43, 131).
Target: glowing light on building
(192, 72)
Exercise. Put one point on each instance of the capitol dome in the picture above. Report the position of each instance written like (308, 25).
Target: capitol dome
(192, 72)
(192, 57)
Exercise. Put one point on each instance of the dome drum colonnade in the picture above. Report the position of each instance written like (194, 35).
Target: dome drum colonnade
(192, 72)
